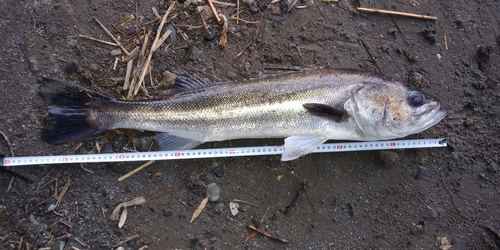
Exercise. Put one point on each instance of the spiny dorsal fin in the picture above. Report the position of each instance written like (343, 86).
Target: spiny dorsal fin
(189, 83)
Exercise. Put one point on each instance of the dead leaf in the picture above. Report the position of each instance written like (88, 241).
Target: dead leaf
(123, 217)
(199, 209)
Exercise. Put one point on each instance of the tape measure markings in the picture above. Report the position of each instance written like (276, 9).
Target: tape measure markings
(217, 152)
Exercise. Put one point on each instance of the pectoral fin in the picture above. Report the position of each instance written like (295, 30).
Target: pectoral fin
(326, 111)
(168, 142)
(299, 145)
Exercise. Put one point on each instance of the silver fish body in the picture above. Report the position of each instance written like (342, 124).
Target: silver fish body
(307, 108)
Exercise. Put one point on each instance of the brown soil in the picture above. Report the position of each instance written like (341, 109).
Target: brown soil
(362, 200)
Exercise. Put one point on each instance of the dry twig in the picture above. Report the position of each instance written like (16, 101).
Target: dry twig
(63, 192)
(246, 202)
(126, 240)
(224, 4)
(111, 35)
(98, 40)
(397, 13)
(211, 4)
(274, 237)
(223, 36)
(8, 143)
(145, 68)
(136, 170)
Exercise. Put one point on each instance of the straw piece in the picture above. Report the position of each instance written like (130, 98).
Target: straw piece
(110, 35)
(214, 10)
(397, 13)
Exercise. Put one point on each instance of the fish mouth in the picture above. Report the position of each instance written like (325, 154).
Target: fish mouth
(429, 118)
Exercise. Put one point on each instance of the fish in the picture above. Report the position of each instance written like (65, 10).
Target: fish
(306, 108)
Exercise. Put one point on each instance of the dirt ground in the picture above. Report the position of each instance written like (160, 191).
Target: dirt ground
(359, 200)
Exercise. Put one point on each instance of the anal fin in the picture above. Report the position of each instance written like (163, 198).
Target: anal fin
(168, 142)
(299, 145)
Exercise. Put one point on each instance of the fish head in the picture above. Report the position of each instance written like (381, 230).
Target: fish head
(385, 111)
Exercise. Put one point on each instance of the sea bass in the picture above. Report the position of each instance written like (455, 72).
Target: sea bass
(307, 108)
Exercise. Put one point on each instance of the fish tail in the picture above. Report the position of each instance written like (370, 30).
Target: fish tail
(68, 109)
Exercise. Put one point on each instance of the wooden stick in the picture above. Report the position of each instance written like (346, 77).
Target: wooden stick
(98, 40)
(268, 234)
(397, 13)
(162, 39)
(136, 170)
(214, 10)
(111, 35)
(63, 192)
(126, 240)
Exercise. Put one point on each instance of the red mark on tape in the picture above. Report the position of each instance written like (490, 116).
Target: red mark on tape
(339, 147)
(177, 154)
(121, 157)
(6, 162)
(64, 159)
(393, 144)
(231, 152)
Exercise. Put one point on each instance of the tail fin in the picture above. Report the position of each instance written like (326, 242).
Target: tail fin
(68, 106)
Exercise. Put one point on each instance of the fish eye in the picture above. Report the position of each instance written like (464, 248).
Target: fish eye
(416, 99)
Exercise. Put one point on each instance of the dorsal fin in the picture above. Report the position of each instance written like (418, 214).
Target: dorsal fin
(188, 83)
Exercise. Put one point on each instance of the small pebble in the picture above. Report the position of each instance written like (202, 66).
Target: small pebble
(193, 202)
(173, 36)
(416, 79)
(33, 220)
(277, 22)
(254, 9)
(213, 192)
(233, 206)
(219, 207)
(143, 143)
(421, 172)
(71, 67)
(242, 208)
(247, 2)
(248, 65)
(194, 243)
(432, 212)
(219, 172)
(119, 142)
(167, 212)
(182, 215)
(51, 207)
(58, 245)
(107, 148)
(194, 53)
(211, 36)
(168, 79)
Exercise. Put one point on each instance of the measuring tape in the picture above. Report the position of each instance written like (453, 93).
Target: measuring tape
(217, 152)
